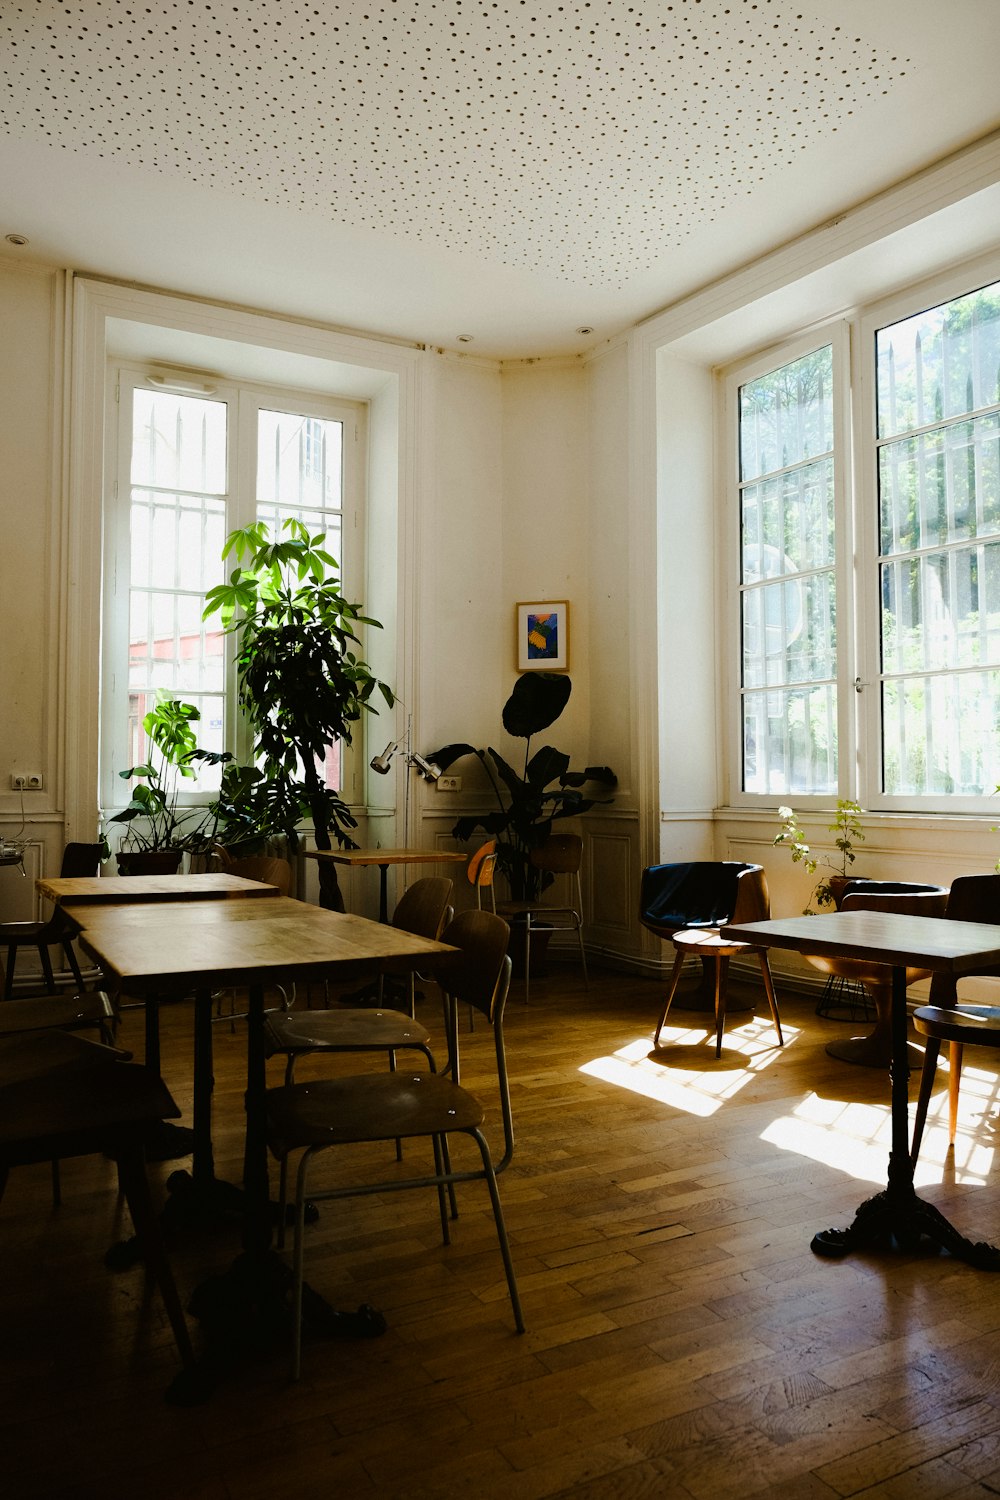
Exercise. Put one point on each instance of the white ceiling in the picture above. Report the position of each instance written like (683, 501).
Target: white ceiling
(504, 169)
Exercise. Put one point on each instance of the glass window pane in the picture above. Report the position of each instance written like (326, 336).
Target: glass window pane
(786, 416)
(940, 487)
(299, 462)
(942, 734)
(790, 741)
(178, 442)
(941, 363)
(788, 523)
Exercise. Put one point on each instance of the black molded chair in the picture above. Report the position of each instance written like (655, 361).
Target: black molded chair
(77, 860)
(752, 904)
(691, 894)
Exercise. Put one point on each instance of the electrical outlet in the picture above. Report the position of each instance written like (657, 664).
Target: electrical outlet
(449, 783)
(27, 781)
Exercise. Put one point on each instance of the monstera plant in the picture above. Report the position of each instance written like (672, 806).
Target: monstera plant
(531, 800)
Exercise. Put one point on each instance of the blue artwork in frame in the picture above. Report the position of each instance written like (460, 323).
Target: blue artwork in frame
(543, 636)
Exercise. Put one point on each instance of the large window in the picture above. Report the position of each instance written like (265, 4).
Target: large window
(892, 588)
(788, 616)
(192, 466)
(938, 444)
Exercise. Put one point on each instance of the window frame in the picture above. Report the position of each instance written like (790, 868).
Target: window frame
(244, 398)
(730, 378)
(893, 308)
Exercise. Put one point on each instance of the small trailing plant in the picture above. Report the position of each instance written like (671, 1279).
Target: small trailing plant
(847, 827)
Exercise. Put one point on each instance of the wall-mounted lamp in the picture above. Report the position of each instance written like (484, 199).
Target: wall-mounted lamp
(427, 769)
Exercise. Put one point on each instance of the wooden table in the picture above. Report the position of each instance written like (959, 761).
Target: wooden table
(70, 890)
(177, 947)
(384, 858)
(895, 1214)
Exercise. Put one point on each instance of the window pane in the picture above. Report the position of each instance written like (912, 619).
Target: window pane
(790, 740)
(941, 486)
(788, 594)
(178, 442)
(942, 734)
(940, 364)
(299, 465)
(178, 525)
(939, 530)
(787, 415)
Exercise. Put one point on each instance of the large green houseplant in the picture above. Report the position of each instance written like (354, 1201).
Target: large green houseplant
(156, 823)
(546, 789)
(303, 684)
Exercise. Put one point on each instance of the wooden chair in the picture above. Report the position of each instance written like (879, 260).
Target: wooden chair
(90, 1011)
(62, 1096)
(561, 854)
(268, 870)
(78, 859)
(420, 910)
(875, 1049)
(481, 871)
(973, 898)
(314, 1117)
(751, 904)
(691, 895)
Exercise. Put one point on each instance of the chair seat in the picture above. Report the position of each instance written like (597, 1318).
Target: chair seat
(21, 932)
(372, 1107)
(58, 1012)
(708, 943)
(976, 1024)
(537, 909)
(356, 1030)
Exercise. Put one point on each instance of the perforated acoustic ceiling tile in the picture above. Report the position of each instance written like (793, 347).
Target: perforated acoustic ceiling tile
(581, 139)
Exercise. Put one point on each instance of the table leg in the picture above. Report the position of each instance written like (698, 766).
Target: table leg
(897, 1215)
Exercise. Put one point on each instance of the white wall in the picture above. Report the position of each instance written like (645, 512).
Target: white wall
(30, 660)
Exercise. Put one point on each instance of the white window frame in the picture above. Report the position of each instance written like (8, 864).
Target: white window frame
(731, 378)
(244, 399)
(953, 284)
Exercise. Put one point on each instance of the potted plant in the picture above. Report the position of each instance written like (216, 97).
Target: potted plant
(529, 802)
(159, 830)
(303, 684)
(847, 826)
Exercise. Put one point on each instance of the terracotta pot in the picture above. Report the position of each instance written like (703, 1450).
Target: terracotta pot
(149, 861)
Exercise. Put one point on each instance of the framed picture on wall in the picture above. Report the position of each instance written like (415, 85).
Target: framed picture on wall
(543, 637)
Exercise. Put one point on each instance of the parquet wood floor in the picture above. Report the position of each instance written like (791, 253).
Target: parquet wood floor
(683, 1342)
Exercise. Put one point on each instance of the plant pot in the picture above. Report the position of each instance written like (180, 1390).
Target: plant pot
(149, 861)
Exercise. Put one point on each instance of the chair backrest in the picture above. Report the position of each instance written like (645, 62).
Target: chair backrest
(475, 975)
(479, 975)
(974, 898)
(267, 868)
(561, 854)
(699, 893)
(422, 907)
(894, 896)
(80, 859)
(481, 869)
(753, 899)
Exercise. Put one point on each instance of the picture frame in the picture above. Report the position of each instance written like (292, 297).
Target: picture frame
(543, 636)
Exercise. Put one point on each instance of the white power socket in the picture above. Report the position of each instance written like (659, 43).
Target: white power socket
(27, 781)
(449, 783)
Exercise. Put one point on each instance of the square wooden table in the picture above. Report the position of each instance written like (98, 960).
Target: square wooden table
(176, 947)
(66, 890)
(901, 941)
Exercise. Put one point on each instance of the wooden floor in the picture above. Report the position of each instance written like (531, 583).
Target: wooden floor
(683, 1341)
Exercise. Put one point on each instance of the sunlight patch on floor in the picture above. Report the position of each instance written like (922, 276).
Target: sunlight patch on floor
(855, 1138)
(704, 1087)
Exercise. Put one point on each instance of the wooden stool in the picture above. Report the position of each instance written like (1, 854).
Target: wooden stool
(707, 945)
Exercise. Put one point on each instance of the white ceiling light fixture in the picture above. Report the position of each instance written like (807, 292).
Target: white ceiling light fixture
(16, 239)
